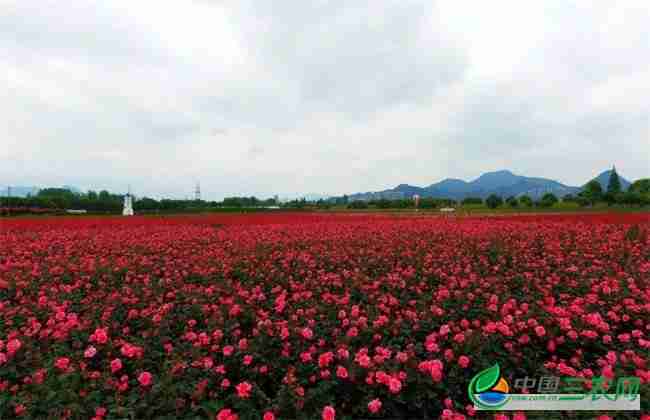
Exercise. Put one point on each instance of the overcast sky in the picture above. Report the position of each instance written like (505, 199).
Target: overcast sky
(266, 97)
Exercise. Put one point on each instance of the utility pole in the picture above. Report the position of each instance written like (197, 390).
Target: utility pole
(197, 192)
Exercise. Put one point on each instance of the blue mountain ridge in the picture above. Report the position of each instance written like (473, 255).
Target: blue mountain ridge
(503, 183)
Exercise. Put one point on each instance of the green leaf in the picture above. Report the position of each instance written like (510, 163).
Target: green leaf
(487, 378)
(212, 407)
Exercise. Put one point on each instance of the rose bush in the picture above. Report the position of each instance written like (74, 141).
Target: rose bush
(311, 315)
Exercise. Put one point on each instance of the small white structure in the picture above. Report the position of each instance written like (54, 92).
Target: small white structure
(416, 201)
(73, 211)
(128, 205)
(447, 209)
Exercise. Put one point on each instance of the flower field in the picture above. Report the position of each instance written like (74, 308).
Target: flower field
(312, 315)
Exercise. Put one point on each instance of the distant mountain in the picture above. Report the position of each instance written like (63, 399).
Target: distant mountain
(19, 191)
(503, 183)
(498, 179)
(603, 180)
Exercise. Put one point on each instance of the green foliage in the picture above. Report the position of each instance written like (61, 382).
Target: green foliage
(105, 202)
(359, 205)
(432, 203)
(548, 200)
(247, 202)
(569, 198)
(494, 201)
(632, 198)
(613, 198)
(392, 204)
(593, 188)
(512, 201)
(641, 186)
(385, 204)
(614, 185)
(526, 201)
(472, 200)
(591, 194)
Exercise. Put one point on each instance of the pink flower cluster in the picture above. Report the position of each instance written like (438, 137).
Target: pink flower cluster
(314, 315)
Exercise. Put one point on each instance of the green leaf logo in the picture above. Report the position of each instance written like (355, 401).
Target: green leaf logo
(480, 389)
(486, 379)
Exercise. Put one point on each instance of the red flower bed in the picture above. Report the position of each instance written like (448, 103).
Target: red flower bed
(311, 315)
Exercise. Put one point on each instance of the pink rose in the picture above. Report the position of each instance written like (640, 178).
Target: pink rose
(116, 365)
(226, 414)
(100, 336)
(374, 406)
(90, 352)
(145, 378)
(463, 361)
(394, 385)
(307, 333)
(244, 390)
(329, 413)
(13, 346)
(62, 363)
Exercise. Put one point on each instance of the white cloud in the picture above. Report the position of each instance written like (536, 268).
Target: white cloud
(256, 97)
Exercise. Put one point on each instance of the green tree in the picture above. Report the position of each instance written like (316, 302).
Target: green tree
(384, 204)
(428, 203)
(548, 200)
(104, 195)
(512, 201)
(614, 185)
(472, 200)
(526, 201)
(569, 198)
(494, 201)
(61, 198)
(631, 198)
(358, 204)
(146, 203)
(592, 192)
(641, 186)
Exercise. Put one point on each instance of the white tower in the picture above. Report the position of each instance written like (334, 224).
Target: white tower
(128, 204)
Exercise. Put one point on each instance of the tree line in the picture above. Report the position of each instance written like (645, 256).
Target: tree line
(59, 199)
